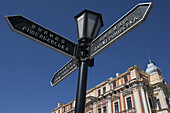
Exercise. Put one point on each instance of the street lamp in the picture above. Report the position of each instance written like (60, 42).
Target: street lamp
(88, 26)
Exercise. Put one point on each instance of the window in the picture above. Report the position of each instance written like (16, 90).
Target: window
(150, 102)
(114, 84)
(99, 92)
(58, 111)
(71, 106)
(64, 109)
(104, 110)
(125, 79)
(99, 110)
(167, 101)
(159, 104)
(104, 90)
(129, 102)
(116, 107)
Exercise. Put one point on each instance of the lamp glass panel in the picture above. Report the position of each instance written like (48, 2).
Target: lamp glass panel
(80, 22)
(91, 20)
(97, 28)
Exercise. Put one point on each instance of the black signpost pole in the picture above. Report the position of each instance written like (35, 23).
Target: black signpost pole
(83, 56)
(88, 24)
(81, 87)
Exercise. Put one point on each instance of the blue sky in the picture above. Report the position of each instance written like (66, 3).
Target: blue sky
(27, 67)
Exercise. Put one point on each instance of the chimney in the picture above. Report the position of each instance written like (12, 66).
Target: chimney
(117, 74)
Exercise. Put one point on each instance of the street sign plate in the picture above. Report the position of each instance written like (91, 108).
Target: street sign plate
(38, 33)
(64, 72)
(125, 24)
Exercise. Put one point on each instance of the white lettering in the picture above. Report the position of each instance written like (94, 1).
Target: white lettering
(32, 32)
(52, 41)
(62, 41)
(41, 36)
(48, 40)
(36, 34)
(24, 28)
(60, 44)
(115, 28)
(113, 32)
(51, 35)
(56, 38)
(39, 29)
(120, 24)
(44, 38)
(66, 49)
(55, 44)
(45, 32)
(126, 19)
(33, 26)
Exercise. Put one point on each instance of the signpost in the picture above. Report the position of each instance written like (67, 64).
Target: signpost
(65, 71)
(38, 33)
(125, 24)
(83, 53)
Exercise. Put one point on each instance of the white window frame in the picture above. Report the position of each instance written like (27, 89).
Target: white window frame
(98, 109)
(158, 107)
(103, 107)
(114, 105)
(103, 89)
(98, 92)
(126, 101)
(151, 102)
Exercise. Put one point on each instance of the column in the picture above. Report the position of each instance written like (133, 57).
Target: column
(94, 107)
(147, 98)
(121, 98)
(163, 98)
(144, 100)
(137, 100)
(109, 104)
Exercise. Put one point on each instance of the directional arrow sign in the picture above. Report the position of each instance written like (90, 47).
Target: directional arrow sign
(128, 22)
(34, 31)
(64, 72)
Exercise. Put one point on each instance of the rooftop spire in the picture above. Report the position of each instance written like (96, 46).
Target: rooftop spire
(148, 55)
(151, 67)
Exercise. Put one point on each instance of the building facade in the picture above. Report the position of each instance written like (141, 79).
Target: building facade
(134, 91)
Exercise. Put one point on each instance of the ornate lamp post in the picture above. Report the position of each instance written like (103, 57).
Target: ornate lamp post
(88, 26)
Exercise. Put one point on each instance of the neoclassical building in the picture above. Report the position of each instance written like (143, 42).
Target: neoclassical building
(134, 91)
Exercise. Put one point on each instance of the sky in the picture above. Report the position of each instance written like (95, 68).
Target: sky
(27, 67)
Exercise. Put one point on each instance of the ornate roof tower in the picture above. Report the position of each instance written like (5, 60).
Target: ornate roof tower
(153, 69)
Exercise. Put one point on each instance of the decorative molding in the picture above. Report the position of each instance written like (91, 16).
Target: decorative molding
(114, 97)
(127, 92)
